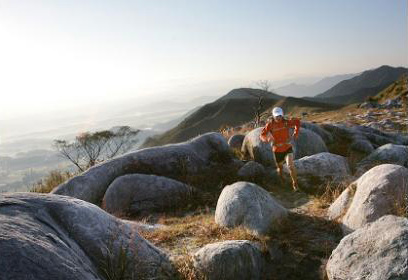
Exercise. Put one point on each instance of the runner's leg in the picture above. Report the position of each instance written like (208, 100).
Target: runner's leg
(292, 170)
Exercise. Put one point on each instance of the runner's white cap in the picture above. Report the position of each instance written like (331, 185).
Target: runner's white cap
(277, 111)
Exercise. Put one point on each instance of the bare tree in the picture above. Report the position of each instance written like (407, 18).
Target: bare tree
(89, 148)
(264, 85)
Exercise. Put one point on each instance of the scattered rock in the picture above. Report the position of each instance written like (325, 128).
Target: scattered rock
(235, 141)
(325, 135)
(357, 142)
(252, 171)
(57, 237)
(248, 205)
(380, 191)
(205, 160)
(342, 203)
(388, 153)
(235, 259)
(377, 251)
(318, 169)
(308, 143)
(257, 150)
(368, 105)
(136, 194)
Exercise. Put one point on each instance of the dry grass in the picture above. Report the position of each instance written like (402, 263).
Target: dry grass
(185, 267)
(182, 235)
(401, 206)
(331, 192)
(198, 230)
(54, 178)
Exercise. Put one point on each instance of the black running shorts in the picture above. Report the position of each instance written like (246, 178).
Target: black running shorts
(280, 157)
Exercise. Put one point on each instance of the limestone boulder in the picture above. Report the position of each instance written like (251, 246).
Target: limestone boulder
(308, 143)
(257, 150)
(316, 170)
(204, 161)
(251, 171)
(377, 251)
(388, 153)
(136, 194)
(235, 141)
(324, 134)
(250, 206)
(381, 191)
(235, 259)
(357, 142)
(57, 237)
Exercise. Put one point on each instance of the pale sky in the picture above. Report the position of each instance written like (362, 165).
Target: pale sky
(56, 54)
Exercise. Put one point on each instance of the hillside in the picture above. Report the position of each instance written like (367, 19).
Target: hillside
(395, 90)
(376, 78)
(233, 109)
(297, 106)
(358, 96)
(300, 90)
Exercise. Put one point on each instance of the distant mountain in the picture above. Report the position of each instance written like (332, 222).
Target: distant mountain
(366, 84)
(233, 109)
(300, 90)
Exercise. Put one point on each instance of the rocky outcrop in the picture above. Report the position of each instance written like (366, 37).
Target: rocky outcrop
(357, 142)
(235, 141)
(136, 194)
(235, 259)
(57, 237)
(248, 205)
(257, 150)
(377, 251)
(324, 134)
(380, 191)
(389, 153)
(203, 161)
(316, 170)
(251, 171)
(308, 143)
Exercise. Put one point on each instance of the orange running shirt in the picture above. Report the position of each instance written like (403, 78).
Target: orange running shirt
(280, 133)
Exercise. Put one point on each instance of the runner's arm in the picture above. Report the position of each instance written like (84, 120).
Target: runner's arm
(266, 135)
(295, 123)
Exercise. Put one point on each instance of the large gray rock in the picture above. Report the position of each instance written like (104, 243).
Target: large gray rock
(388, 153)
(58, 237)
(324, 134)
(308, 143)
(135, 194)
(357, 142)
(380, 191)
(251, 171)
(339, 207)
(378, 251)
(257, 150)
(235, 259)
(235, 141)
(204, 160)
(248, 205)
(316, 170)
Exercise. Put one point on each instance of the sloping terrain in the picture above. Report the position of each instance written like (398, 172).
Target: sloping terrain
(297, 106)
(300, 90)
(369, 83)
(395, 90)
(234, 109)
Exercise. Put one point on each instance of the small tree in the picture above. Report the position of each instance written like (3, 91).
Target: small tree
(264, 85)
(90, 148)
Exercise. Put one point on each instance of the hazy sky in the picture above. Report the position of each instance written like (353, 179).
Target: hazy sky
(55, 54)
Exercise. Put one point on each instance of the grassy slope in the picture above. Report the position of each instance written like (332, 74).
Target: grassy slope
(233, 112)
